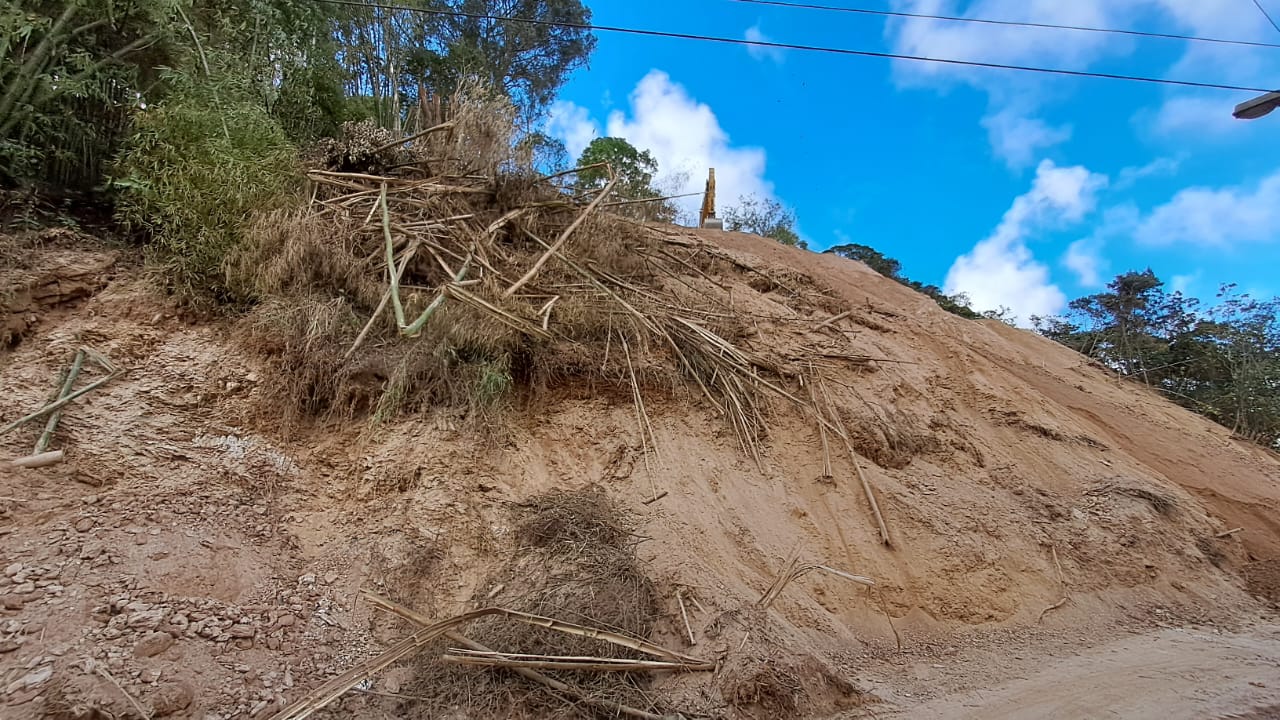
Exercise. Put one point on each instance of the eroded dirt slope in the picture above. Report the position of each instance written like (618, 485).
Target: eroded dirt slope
(194, 558)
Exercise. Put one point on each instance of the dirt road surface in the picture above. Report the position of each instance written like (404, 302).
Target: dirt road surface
(1175, 674)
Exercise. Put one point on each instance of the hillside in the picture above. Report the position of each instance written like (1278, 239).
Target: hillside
(199, 554)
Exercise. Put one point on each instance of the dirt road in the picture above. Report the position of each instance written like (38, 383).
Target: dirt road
(1175, 674)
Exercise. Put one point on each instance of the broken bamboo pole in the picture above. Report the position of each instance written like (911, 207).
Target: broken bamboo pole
(51, 426)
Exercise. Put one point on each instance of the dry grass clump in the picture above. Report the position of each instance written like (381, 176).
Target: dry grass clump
(460, 277)
(572, 562)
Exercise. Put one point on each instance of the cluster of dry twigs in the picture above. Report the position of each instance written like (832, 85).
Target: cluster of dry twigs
(455, 275)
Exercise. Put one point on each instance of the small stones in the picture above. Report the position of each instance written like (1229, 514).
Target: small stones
(153, 644)
(286, 620)
(146, 619)
(35, 678)
(84, 525)
(14, 569)
(308, 579)
(8, 646)
(25, 588)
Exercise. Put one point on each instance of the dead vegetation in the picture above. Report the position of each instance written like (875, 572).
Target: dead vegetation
(461, 278)
(575, 560)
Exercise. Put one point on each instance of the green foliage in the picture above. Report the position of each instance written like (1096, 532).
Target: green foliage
(892, 269)
(68, 83)
(191, 174)
(634, 170)
(765, 217)
(1221, 361)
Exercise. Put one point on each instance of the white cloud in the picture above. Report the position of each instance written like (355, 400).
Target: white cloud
(756, 35)
(1018, 139)
(1016, 130)
(1207, 115)
(1182, 283)
(1001, 271)
(686, 138)
(1128, 177)
(1084, 258)
(1217, 217)
(1201, 116)
(572, 125)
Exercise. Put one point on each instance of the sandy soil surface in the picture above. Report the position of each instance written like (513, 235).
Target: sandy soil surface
(1056, 547)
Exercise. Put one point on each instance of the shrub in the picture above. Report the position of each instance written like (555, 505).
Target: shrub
(194, 169)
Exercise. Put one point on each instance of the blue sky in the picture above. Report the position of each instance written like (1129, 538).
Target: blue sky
(1021, 190)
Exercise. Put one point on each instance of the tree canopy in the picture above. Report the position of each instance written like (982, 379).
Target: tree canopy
(1222, 360)
(634, 170)
(765, 217)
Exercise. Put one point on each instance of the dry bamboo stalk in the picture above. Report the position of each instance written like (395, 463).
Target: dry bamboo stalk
(642, 419)
(545, 312)
(684, 614)
(514, 321)
(562, 626)
(51, 426)
(827, 471)
(857, 466)
(560, 241)
(833, 319)
(871, 496)
(794, 571)
(40, 460)
(1229, 533)
(51, 407)
(142, 711)
(574, 693)
(411, 138)
(556, 662)
(577, 695)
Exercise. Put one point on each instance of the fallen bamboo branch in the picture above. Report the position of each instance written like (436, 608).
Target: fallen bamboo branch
(58, 404)
(142, 711)
(493, 658)
(793, 570)
(1229, 533)
(560, 241)
(833, 320)
(685, 615)
(51, 426)
(411, 138)
(567, 628)
(38, 460)
(575, 694)
(840, 430)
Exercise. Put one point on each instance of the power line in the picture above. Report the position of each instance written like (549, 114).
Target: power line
(804, 48)
(1012, 23)
(1266, 15)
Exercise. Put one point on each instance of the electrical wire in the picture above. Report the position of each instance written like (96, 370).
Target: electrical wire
(1012, 23)
(803, 48)
(1266, 15)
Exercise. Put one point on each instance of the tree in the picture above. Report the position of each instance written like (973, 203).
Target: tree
(634, 170)
(1221, 362)
(870, 257)
(765, 217)
(396, 57)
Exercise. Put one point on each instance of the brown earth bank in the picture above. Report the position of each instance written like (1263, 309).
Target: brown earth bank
(1052, 530)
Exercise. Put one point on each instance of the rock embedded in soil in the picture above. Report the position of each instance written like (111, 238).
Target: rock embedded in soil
(172, 697)
(153, 644)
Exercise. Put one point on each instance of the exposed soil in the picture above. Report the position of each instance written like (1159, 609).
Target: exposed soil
(192, 557)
